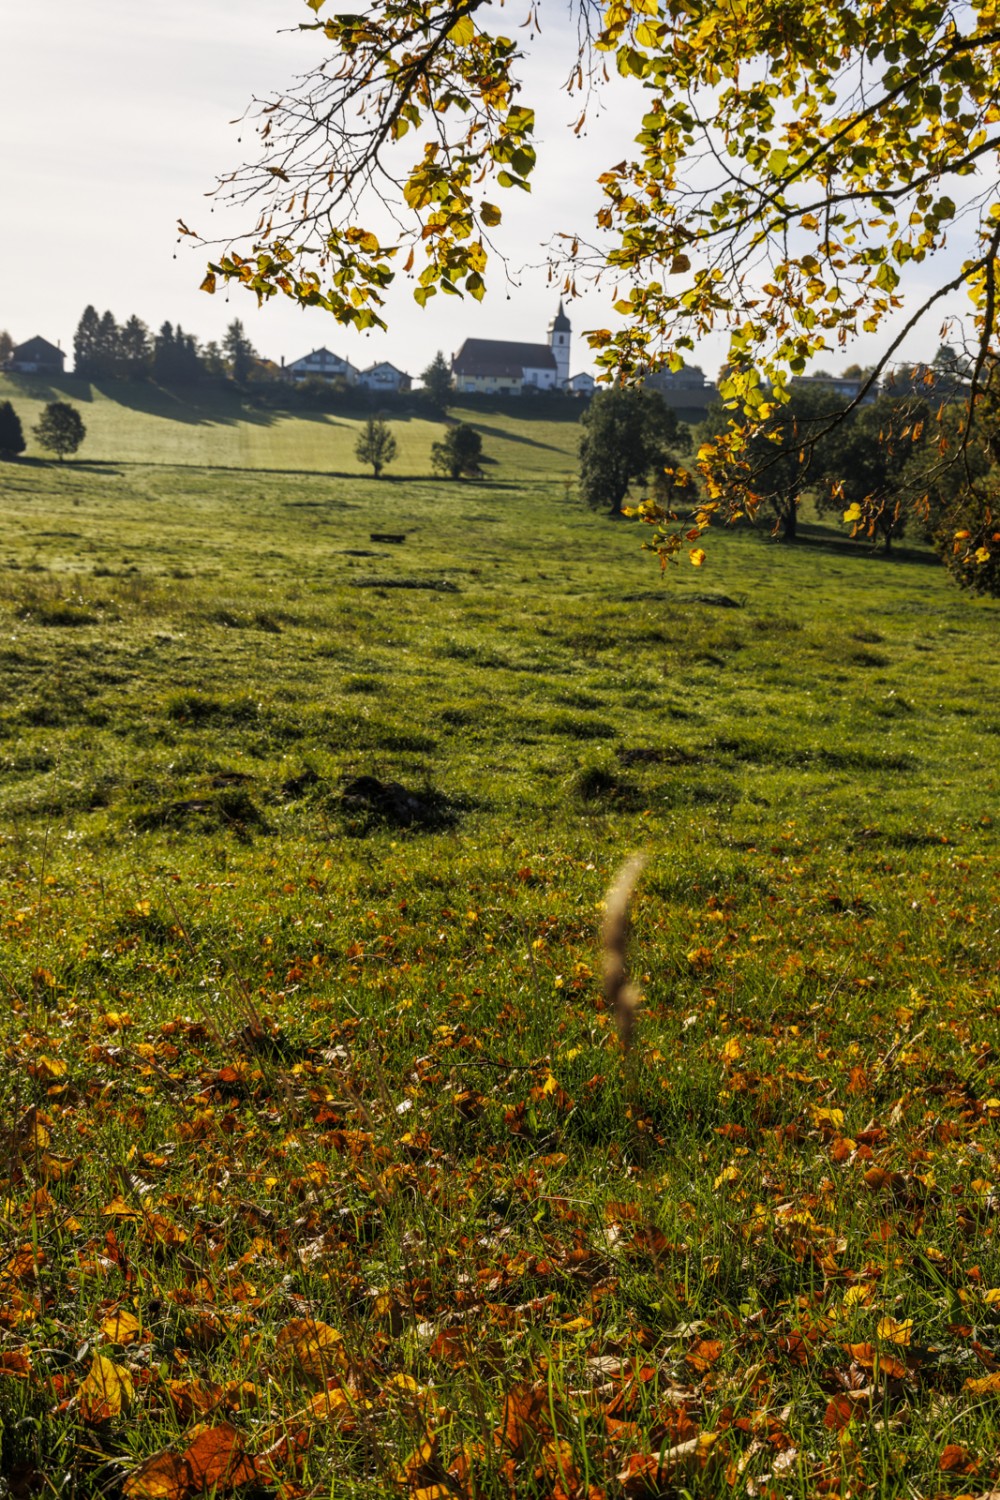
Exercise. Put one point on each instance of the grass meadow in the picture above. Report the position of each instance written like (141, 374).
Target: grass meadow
(324, 1173)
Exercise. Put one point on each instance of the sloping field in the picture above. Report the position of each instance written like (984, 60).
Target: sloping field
(137, 422)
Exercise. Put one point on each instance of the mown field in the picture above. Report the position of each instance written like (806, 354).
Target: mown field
(138, 422)
(325, 1173)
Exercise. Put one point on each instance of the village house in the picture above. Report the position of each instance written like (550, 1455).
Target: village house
(686, 389)
(582, 384)
(501, 367)
(37, 357)
(321, 364)
(385, 378)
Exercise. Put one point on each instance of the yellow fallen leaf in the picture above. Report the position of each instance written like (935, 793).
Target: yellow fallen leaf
(106, 1391)
(896, 1333)
(315, 1347)
(122, 1327)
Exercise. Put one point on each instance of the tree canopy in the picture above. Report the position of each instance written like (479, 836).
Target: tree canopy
(626, 433)
(60, 429)
(798, 171)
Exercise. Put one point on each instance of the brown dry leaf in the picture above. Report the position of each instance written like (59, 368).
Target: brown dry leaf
(315, 1347)
(524, 1413)
(957, 1460)
(195, 1396)
(839, 1413)
(57, 1168)
(647, 1475)
(15, 1363)
(121, 1327)
(162, 1477)
(106, 1391)
(217, 1460)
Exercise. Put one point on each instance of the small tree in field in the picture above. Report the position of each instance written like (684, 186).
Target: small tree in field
(61, 429)
(11, 432)
(459, 452)
(376, 445)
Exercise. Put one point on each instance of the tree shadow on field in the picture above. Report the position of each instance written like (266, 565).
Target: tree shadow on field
(512, 437)
(816, 538)
(198, 406)
(41, 388)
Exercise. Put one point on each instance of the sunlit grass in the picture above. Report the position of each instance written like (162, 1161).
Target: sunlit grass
(284, 1043)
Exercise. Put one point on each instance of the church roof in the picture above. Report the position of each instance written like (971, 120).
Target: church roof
(560, 323)
(498, 357)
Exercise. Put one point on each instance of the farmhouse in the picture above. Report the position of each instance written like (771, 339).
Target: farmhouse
(494, 366)
(321, 364)
(37, 357)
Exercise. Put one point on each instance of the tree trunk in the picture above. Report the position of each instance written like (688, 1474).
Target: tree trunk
(790, 520)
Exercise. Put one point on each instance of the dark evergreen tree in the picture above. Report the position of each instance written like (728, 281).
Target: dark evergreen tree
(86, 342)
(239, 352)
(212, 363)
(11, 432)
(135, 349)
(175, 356)
(437, 381)
(108, 354)
(7, 347)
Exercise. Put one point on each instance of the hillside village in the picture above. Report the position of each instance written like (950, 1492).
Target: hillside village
(481, 367)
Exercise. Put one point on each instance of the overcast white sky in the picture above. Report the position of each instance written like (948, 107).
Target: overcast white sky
(115, 119)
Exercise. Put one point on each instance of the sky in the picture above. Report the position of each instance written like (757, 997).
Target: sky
(117, 118)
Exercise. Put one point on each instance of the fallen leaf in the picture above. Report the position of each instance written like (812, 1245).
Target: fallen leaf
(106, 1391)
(315, 1347)
(217, 1460)
(162, 1477)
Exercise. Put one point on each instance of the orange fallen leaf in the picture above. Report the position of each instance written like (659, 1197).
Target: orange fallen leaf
(162, 1477)
(957, 1460)
(217, 1460)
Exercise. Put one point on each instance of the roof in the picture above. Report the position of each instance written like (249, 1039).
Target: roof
(383, 364)
(36, 347)
(497, 357)
(560, 323)
(321, 353)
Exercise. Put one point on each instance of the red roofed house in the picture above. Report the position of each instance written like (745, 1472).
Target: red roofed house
(495, 366)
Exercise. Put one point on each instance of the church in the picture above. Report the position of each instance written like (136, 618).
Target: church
(497, 367)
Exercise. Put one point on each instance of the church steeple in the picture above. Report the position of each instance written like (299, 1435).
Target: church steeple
(559, 335)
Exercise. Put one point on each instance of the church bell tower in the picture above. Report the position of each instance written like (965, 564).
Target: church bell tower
(559, 331)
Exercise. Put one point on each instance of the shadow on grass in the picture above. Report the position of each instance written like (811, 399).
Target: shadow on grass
(818, 539)
(513, 437)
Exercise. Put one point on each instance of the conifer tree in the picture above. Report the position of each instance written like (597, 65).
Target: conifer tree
(11, 432)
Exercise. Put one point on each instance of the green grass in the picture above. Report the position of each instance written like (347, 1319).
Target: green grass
(141, 423)
(280, 1048)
